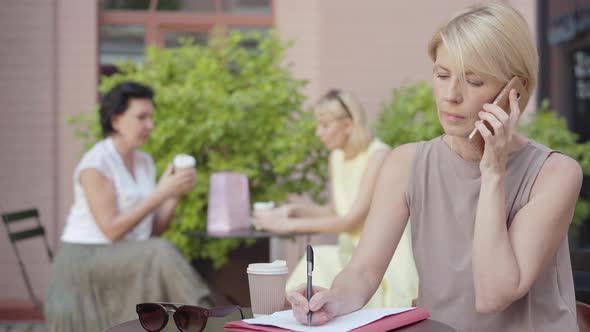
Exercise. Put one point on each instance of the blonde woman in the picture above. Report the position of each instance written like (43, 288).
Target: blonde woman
(355, 160)
(488, 232)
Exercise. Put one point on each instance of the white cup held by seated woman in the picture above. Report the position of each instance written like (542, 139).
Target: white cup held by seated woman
(184, 161)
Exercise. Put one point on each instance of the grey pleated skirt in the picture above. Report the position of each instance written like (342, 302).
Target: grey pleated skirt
(92, 287)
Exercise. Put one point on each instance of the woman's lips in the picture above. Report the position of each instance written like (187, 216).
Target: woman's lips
(453, 117)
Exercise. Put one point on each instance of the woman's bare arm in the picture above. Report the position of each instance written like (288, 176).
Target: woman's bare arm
(506, 262)
(102, 201)
(332, 223)
(359, 210)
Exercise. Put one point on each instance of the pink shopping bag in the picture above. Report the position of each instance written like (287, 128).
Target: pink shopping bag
(229, 202)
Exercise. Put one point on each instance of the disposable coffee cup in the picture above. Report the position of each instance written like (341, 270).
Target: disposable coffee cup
(184, 161)
(262, 206)
(267, 283)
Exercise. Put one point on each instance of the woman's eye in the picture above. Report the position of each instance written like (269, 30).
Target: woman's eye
(475, 83)
(442, 76)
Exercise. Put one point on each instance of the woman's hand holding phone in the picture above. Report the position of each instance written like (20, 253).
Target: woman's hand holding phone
(502, 101)
(497, 139)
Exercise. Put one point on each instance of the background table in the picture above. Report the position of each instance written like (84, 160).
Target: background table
(216, 324)
(273, 254)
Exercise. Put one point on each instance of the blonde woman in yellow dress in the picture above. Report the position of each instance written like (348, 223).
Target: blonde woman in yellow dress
(355, 160)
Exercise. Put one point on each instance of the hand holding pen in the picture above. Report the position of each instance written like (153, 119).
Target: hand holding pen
(312, 305)
(323, 304)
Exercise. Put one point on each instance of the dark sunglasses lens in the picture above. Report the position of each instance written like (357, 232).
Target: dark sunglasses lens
(151, 316)
(189, 319)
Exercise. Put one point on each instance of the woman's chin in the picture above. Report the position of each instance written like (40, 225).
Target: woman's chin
(455, 131)
(329, 146)
(144, 139)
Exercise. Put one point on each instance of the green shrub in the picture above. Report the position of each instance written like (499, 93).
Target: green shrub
(233, 109)
(410, 115)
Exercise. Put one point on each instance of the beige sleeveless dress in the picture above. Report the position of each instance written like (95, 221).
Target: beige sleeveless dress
(442, 196)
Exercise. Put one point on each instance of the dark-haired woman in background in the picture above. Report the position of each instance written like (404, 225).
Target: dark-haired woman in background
(108, 260)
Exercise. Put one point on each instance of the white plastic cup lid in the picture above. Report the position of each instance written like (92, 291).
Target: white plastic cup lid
(276, 267)
(184, 161)
(259, 206)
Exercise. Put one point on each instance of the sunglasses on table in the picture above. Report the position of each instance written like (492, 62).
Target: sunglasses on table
(188, 318)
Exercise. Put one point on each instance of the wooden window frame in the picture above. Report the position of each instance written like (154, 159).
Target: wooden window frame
(156, 23)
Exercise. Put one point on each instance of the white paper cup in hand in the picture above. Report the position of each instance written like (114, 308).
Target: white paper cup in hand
(184, 161)
(261, 206)
(262, 209)
(267, 283)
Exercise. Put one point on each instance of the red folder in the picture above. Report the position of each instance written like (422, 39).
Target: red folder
(384, 324)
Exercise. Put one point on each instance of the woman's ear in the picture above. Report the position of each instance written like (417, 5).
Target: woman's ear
(349, 126)
(525, 82)
(114, 122)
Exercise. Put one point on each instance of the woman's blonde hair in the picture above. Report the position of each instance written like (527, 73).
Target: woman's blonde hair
(341, 104)
(490, 40)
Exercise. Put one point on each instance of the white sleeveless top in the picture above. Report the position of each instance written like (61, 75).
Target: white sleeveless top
(81, 226)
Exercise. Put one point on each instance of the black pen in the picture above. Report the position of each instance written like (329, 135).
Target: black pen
(309, 283)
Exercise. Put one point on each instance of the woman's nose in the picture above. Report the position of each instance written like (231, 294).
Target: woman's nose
(453, 92)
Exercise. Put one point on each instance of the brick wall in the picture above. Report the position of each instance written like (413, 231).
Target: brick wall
(47, 70)
(27, 127)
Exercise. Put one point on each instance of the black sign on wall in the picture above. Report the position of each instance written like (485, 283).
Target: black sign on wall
(581, 93)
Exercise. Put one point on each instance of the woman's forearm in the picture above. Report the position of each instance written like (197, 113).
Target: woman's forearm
(126, 221)
(353, 288)
(329, 224)
(310, 210)
(164, 215)
(495, 268)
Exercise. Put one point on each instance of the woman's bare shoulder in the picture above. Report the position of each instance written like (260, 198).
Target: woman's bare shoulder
(404, 152)
(566, 169)
(400, 159)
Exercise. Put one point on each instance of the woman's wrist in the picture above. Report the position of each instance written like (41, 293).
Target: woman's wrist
(160, 196)
(492, 176)
(290, 226)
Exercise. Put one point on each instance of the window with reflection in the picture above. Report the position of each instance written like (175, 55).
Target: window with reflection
(263, 31)
(121, 43)
(173, 38)
(247, 7)
(125, 4)
(128, 26)
(187, 5)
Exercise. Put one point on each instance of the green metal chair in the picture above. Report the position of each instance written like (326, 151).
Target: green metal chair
(11, 218)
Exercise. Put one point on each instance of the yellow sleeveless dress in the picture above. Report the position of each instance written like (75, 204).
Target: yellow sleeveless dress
(400, 282)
